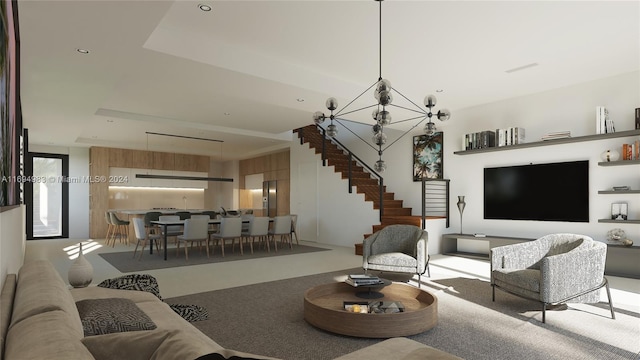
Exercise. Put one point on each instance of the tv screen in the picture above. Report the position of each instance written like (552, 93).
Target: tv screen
(545, 192)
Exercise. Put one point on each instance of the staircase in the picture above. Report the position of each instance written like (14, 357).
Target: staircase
(393, 210)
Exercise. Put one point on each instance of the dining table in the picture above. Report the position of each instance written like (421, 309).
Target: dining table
(165, 224)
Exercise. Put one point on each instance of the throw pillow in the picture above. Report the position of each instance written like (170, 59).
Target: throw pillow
(139, 282)
(191, 313)
(105, 316)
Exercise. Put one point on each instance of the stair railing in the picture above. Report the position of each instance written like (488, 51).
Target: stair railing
(352, 158)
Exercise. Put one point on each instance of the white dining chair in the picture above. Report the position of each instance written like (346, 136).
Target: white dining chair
(142, 236)
(258, 229)
(195, 230)
(230, 229)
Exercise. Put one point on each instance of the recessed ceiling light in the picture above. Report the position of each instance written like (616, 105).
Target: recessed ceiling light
(204, 7)
(227, 114)
(439, 90)
(109, 120)
(82, 51)
(300, 100)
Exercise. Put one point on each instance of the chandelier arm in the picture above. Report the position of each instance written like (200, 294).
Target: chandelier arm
(409, 100)
(380, 39)
(352, 111)
(420, 111)
(356, 98)
(405, 133)
(413, 118)
(352, 121)
(356, 135)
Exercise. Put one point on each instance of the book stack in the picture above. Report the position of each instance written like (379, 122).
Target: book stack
(363, 280)
(510, 136)
(557, 135)
(604, 125)
(631, 151)
(479, 140)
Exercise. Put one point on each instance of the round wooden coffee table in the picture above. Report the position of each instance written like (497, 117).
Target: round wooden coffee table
(324, 309)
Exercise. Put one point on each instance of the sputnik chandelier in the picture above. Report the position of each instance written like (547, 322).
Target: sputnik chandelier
(383, 93)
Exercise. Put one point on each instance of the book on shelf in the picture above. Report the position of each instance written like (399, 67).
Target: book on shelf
(479, 140)
(604, 125)
(556, 135)
(637, 118)
(631, 151)
(510, 136)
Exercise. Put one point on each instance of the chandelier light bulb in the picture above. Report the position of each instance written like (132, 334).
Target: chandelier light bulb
(318, 117)
(384, 98)
(375, 113)
(380, 138)
(383, 85)
(376, 128)
(444, 115)
(383, 118)
(332, 130)
(380, 166)
(332, 103)
(430, 101)
(430, 128)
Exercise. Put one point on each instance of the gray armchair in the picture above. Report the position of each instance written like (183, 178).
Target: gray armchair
(553, 269)
(397, 248)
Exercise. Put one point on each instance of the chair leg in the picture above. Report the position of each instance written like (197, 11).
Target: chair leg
(186, 251)
(493, 293)
(613, 315)
(544, 311)
(419, 281)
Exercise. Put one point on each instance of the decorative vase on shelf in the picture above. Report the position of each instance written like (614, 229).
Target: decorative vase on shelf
(461, 204)
(81, 272)
(610, 155)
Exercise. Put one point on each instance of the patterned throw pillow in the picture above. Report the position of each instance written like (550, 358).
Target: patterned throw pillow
(105, 316)
(139, 282)
(191, 313)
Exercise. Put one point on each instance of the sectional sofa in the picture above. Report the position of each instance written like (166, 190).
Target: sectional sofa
(42, 318)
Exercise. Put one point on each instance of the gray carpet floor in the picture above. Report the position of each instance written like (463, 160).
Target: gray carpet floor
(125, 262)
(267, 319)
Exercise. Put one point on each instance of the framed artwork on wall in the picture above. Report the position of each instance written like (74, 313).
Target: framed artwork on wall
(428, 157)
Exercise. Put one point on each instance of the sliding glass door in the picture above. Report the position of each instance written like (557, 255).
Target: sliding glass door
(47, 196)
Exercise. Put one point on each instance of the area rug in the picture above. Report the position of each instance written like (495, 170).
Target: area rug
(125, 262)
(267, 319)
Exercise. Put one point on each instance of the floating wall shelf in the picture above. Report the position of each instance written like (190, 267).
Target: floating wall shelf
(558, 142)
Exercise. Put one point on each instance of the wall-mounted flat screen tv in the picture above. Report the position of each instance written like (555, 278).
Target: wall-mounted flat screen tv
(544, 192)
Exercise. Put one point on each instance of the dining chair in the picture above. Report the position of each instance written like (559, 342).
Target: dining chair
(230, 228)
(281, 228)
(142, 236)
(172, 230)
(110, 230)
(195, 230)
(122, 228)
(184, 215)
(258, 229)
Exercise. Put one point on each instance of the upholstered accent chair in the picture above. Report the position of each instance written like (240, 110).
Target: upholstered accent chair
(554, 269)
(397, 248)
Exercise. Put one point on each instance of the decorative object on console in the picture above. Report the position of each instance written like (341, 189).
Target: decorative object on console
(81, 272)
(619, 211)
(627, 242)
(637, 118)
(428, 160)
(610, 155)
(381, 114)
(616, 234)
(461, 204)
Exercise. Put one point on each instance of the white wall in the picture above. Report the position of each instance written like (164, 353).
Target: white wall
(570, 108)
(12, 241)
(340, 218)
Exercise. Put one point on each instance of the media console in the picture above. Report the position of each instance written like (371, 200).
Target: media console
(621, 260)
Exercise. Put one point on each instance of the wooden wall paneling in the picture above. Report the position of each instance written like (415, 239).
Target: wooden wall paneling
(186, 162)
(141, 159)
(163, 161)
(282, 160)
(120, 158)
(98, 191)
(283, 197)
